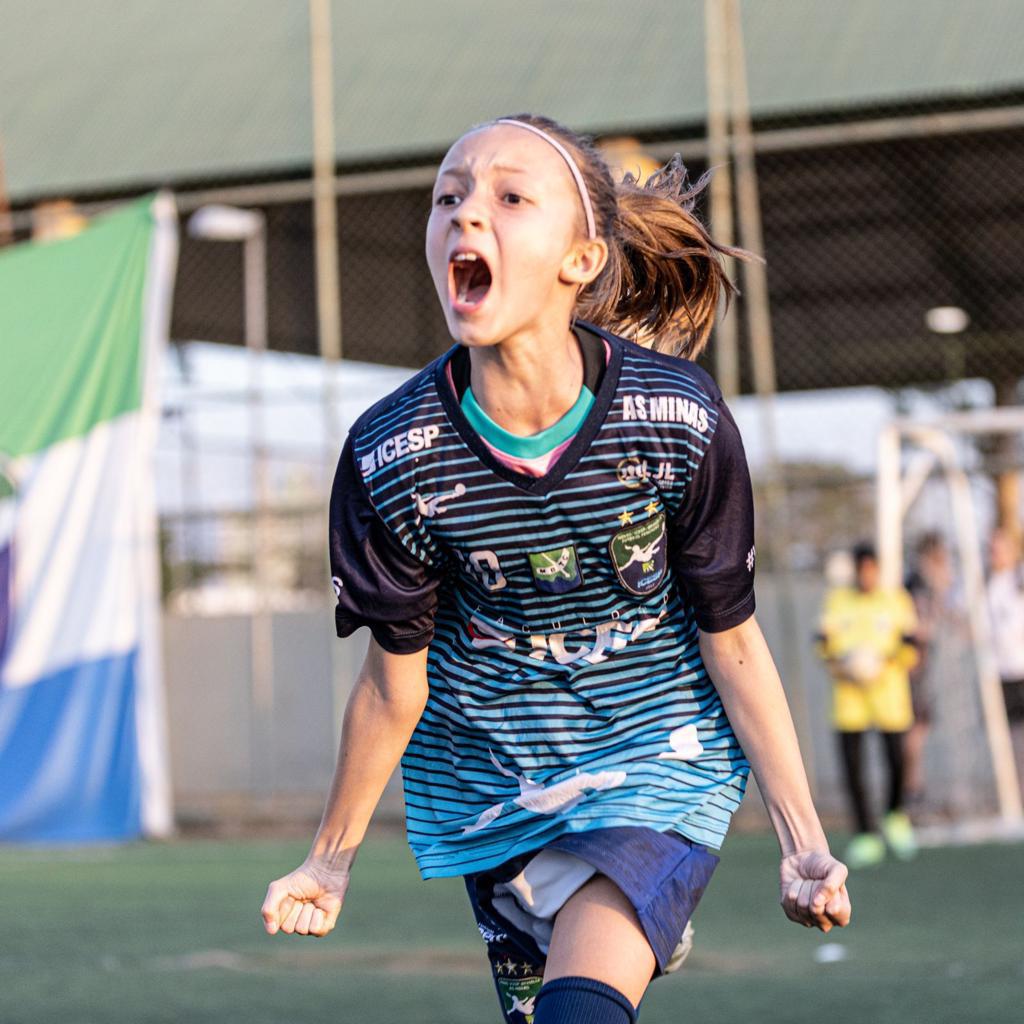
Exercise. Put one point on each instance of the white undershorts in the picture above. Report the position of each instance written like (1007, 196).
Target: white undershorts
(531, 900)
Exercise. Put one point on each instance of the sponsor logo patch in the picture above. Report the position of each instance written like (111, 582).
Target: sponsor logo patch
(590, 645)
(557, 570)
(633, 472)
(490, 935)
(639, 555)
(415, 440)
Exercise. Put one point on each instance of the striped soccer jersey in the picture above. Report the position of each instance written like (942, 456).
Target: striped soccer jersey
(567, 690)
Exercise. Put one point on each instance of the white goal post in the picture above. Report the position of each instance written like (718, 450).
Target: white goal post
(930, 446)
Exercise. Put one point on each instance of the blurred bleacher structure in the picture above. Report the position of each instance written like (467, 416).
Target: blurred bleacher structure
(890, 150)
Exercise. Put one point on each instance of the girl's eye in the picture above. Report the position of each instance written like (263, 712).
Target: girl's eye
(513, 198)
(446, 200)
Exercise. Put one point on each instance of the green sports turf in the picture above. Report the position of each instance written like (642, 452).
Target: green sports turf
(171, 932)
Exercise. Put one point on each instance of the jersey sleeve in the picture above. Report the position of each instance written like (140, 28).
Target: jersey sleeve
(712, 534)
(378, 582)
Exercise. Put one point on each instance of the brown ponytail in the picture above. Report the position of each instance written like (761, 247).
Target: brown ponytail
(664, 278)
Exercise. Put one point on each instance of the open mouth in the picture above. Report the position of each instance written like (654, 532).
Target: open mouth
(470, 279)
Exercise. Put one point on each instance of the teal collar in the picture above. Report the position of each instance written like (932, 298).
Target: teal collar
(534, 445)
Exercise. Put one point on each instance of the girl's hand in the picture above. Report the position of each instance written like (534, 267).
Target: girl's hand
(306, 902)
(813, 885)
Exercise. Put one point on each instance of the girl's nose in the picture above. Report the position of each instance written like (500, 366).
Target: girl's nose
(470, 213)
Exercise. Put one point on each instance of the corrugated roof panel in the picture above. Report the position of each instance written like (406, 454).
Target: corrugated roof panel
(103, 94)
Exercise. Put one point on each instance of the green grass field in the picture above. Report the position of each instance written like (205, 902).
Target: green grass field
(171, 932)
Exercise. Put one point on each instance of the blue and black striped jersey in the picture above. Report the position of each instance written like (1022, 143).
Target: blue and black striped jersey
(567, 690)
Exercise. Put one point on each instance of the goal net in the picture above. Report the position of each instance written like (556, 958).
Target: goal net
(937, 477)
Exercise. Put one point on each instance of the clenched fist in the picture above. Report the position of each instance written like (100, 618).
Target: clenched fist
(305, 902)
(813, 885)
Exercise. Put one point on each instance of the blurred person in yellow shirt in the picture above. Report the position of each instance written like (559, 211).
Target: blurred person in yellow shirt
(867, 638)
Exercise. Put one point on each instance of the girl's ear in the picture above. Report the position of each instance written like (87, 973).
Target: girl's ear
(584, 261)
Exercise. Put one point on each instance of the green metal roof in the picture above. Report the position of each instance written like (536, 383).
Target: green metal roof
(103, 94)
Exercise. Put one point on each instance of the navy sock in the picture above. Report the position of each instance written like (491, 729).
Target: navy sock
(582, 1001)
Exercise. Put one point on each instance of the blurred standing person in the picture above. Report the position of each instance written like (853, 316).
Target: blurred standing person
(1005, 590)
(930, 584)
(868, 640)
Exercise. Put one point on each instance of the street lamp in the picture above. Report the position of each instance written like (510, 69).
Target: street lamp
(219, 223)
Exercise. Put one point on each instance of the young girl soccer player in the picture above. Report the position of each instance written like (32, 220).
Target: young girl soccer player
(549, 533)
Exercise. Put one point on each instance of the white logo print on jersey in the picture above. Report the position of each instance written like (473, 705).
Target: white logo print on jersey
(684, 743)
(483, 635)
(431, 505)
(665, 409)
(751, 555)
(414, 440)
(595, 644)
(634, 472)
(561, 796)
(489, 935)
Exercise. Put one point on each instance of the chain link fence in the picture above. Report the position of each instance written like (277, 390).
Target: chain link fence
(861, 240)
(868, 226)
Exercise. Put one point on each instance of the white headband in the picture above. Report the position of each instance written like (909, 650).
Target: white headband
(581, 185)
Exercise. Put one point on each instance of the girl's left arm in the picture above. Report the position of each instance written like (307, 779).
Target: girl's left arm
(813, 882)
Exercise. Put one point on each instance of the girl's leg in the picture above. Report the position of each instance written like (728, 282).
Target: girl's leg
(599, 963)
(896, 826)
(894, 755)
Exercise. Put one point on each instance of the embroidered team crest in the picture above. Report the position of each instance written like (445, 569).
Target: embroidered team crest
(639, 556)
(518, 994)
(556, 571)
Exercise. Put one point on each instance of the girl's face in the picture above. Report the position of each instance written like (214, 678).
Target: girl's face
(503, 241)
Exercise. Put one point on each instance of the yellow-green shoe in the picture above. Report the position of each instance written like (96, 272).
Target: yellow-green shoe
(865, 851)
(899, 835)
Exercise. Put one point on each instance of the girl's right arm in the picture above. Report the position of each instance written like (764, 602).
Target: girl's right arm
(384, 708)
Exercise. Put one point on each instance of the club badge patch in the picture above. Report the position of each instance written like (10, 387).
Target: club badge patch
(518, 995)
(557, 570)
(639, 555)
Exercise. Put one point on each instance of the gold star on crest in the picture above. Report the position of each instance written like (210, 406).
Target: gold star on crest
(651, 507)
(509, 966)
(626, 518)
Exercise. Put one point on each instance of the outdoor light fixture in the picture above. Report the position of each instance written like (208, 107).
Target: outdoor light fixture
(220, 223)
(947, 319)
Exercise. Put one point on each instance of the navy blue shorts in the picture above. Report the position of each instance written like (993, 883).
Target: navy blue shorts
(662, 874)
